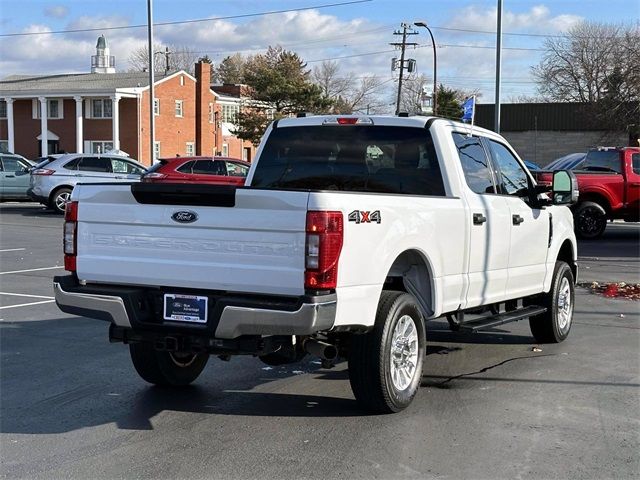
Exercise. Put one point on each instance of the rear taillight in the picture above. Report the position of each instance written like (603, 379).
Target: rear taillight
(42, 171)
(70, 243)
(153, 176)
(323, 246)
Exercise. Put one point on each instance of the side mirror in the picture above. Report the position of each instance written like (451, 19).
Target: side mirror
(565, 188)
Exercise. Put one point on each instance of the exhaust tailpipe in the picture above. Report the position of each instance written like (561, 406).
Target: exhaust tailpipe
(320, 349)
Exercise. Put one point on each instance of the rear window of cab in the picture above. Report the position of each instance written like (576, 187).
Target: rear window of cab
(367, 158)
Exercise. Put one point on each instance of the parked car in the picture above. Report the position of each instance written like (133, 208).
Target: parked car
(328, 252)
(566, 162)
(14, 176)
(530, 165)
(213, 170)
(52, 183)
(609, 185)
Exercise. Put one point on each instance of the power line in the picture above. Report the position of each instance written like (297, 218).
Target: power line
(182, 22)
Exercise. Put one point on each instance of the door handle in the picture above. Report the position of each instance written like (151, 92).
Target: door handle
(517, 219)
(479, 219)
(10, 176)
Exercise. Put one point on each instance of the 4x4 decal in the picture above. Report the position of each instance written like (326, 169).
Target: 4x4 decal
(360, 216)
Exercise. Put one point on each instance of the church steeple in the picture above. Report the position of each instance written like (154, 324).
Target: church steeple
(102, 61)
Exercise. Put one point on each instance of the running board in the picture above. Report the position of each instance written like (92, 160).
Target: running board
(500, 319)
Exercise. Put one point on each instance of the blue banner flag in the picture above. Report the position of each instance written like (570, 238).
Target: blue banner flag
(468, 108)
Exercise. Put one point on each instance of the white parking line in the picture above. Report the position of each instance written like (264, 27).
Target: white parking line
(31, 270)
(25, 295)
(26, 304)
(12, 250)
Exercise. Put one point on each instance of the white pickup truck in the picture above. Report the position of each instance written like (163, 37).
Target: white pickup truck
(351, 233)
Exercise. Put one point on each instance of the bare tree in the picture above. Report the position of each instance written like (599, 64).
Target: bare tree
(181, 57)
(597, 64)
(414, 88)
(348, 93)
(328, 77)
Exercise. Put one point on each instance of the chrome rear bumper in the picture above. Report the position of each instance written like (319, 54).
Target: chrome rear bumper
(314, 313)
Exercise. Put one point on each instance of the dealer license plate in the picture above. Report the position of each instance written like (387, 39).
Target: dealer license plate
(185, 308)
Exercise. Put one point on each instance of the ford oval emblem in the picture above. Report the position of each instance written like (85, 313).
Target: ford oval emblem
(185, 216)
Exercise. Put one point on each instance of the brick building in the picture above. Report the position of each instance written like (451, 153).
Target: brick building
(232, 98)
(103, 110)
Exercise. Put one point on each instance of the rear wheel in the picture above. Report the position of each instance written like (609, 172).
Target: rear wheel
(60, 199)
(590, 220)
(385, 364)
(171, 369)
(554, 325)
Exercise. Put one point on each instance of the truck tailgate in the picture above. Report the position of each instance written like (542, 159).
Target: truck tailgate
(256, 245)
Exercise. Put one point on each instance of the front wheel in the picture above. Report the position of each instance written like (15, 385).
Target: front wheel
(554, 325)
(385, 364)
(590, 220)
(169, 369)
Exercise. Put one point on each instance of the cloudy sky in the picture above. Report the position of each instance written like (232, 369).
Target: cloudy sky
(356, 35)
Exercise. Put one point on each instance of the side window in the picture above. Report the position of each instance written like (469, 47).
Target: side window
(135, 169)
(236, 169)
(206, 167)
(475, 163)
(12, 164)
(94, 164)
(635, 163)
(72, 165)
(513, 180)
(186, 168)
(119, 166)
(602, 161)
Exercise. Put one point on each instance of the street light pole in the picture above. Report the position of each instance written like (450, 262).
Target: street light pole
(435, 66)
(152, 126)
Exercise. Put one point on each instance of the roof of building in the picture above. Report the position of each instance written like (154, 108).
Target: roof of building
(75, 82)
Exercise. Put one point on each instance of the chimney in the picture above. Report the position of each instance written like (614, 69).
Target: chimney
(205, 108)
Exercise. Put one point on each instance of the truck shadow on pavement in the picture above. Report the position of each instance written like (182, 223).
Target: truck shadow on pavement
(62, 375)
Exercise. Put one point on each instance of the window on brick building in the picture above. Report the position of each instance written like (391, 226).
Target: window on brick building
(3, 109)
(156, 151)
(190, 149)
(156, 106)
(225, 150)
(229, 113)
(211, 113)
(101, 108)
(54, 108)
(178, 108)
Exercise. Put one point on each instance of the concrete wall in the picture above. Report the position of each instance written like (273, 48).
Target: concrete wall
(542, 147)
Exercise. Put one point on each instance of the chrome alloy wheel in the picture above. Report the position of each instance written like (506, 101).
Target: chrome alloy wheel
(565, 307)
(404, 353)
(61, 200)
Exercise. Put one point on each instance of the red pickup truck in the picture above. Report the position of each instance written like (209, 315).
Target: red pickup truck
(609, 184)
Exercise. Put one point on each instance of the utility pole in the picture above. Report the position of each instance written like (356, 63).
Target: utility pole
(402, 46)
(496, 121)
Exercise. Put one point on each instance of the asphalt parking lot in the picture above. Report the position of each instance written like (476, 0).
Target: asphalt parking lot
(72, 406)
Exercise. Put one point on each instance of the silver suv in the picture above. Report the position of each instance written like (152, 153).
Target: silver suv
(51, 183)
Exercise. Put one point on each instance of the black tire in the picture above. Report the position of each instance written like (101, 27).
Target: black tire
(59, 199)
(370, 354)
(165, 368)
(551, 327)
(590, 220)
